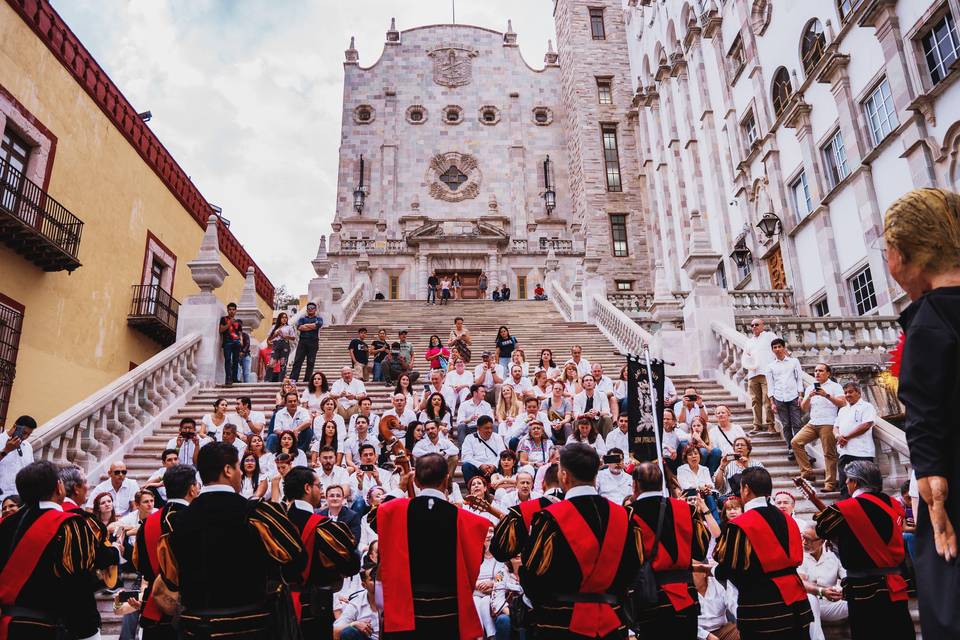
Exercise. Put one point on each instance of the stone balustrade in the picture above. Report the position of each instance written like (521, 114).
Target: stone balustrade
(561, 299)
(626, 335)
(351, 303)
(105, 426)
(372, 247)
(763, 302)
(632, 303)
(893, 455)
(544, 245)
(857, 340)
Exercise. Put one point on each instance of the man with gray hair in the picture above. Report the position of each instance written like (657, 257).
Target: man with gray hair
(867, 531)
(853, 430)
(75, 486)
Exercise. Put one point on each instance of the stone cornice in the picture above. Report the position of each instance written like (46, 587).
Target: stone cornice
(834, 66)
(54, 32)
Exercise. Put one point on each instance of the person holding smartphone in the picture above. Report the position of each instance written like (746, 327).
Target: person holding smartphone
(823, 399)
(15, 453)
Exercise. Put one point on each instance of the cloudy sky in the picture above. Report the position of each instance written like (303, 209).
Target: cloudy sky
(247, 94)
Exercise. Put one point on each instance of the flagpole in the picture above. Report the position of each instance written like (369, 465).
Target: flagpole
(453, 7)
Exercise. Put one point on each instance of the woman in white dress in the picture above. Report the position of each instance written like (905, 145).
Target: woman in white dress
(287, 443)
(211, 425)
(265, 459)
(547, 364)
(491, 572)
(252, 483)
(586, 433)
(317, 389)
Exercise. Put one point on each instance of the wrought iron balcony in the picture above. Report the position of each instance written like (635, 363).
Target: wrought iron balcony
(35, 225)
(154, 312)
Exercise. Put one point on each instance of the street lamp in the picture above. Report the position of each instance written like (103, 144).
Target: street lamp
(359, 194)
(549, 195)
(741, 254)
(770, 224)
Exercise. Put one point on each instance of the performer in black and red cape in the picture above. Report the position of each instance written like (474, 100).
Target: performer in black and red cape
(683, 539)
(760, 552)
(510, 535)
(180, 483)
(47, 564)
(331, 554)
(76, 488)
(430, 557)
(868, 531)
(582, 554)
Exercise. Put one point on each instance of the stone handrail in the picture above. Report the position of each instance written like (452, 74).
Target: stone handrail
(352, 302)
(893, 455)
(763, 302)
(842, 340)
(624, 333)
(633, 302)
(561, 300)
(370, 246)
(105, 426)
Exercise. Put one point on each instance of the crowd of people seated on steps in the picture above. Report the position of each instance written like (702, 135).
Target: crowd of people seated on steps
(502, 420)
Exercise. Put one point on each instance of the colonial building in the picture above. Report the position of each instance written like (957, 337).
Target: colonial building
(97, 225)
(459, 157)
(789, 128)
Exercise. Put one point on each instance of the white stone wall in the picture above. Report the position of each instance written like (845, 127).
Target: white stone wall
(690, 109)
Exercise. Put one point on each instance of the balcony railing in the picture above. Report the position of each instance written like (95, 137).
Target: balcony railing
(153, 312)
(35, 225)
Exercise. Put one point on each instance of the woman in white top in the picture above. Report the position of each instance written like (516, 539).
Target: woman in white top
(571, 380)
(265, 459)
(559, 409)
(479, 486)
(367, 535)
(253, 484)
(405, 387)
(287, 443)
(505, 477)
(507, 409)
(620, 390)
(326, 437)
(491, 572)
(211, 425)
(534, 448)
(328, 412)
(586, 433)
(541, 385)
(519, 358)
(725, 433)
(733, 463)
(694, 477)
(547, 364)
(437, 409)
(317, 389)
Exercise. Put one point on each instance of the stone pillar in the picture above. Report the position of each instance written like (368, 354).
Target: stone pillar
(420, 286)
(201, 312)
(493, 273)
(319, 289)
(706, 303)
(251, 317)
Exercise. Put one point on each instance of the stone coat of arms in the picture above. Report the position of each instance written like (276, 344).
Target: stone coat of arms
(452, 64)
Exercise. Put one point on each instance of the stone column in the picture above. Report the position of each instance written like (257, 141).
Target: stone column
(201, 312)
(420, 286)
(251, 317)
(319, 289)
(707, 303)
(493, 272)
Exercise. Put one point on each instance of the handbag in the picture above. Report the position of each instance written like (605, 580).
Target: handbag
(645, 591)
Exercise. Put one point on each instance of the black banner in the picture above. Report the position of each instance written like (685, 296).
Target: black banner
(645, 419)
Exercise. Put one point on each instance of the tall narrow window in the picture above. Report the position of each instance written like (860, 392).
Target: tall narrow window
(864, 296)
(736, 56)
(941, 47)
(14, 153)
(835, 158)
(801, 196)
(749, 126)
(597, 29)
(782, 89)
(394, 287)
(821, 308)
(604, 91)
(611, 157)
(618, 233)
(846, 7)
(521, 287)
(880, 112)
(812, 45)
(721, 276)
(11, 322)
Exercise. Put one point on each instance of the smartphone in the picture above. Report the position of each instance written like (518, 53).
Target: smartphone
(17, 432)
(816, 386)
(124, 596)
(366, 467)
(426, 388)
(612, 459)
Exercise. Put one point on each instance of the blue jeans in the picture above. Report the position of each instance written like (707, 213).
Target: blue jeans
(245, 368)
(712, 505)
(377, 371)
(431, 294)
(351, 633)
(504, 632)
(909, 539)
(505, 363)
(231, 361)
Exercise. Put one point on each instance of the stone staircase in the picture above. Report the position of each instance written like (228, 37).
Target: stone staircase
(536, 325)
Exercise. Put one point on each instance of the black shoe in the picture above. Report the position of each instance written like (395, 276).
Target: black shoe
(791, 457)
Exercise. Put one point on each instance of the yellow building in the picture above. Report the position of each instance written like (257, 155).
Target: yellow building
(97, 223)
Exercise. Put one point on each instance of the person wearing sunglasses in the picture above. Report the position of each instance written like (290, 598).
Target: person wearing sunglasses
(120, 487)
(756, 356)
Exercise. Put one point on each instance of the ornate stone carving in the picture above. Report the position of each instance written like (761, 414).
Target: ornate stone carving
(416, 114)
(453, 177)
(364, 114)
(452, 64)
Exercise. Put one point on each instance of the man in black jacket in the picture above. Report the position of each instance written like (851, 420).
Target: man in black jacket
(336, 511)
(47, 563)
(227, 554)
(331, 549)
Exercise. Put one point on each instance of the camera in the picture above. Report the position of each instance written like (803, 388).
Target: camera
(367, 467)
(732, 457)
(612, 459)
(125, 596)
(691, 397)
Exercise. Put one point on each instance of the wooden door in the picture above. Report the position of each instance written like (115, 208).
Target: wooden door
(778, 276)
(469, 283)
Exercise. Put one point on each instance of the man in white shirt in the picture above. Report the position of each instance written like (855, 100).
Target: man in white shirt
(230, 437)
(294, 418)
(247, 420)
(187, 442)
(169, 458)
(756, 356)
(821, 573)
(604, 384)
(576, 357)
(401, 411)
(480, 452)
(119, 486)
(460, 380)
(367, 476)
(361, 435)
(470, 410)
(521, 386)
(785, 501)
(366, 409)
(144, 503)
(489, 375)
(360, 613)
(594, 405)
(521, 424)
(823, 400)
(854, 431)
(717, 607)
(329, 473)
(437, 386)
(619, 438)
(347, 391)
(689, 407)
(785, 385)
(15, 453)
(435, 442)
(613, 483)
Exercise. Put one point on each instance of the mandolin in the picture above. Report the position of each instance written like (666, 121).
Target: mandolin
(809, 492)
(482, 504)
(398, 453)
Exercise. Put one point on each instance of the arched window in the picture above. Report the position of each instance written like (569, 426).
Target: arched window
(781, 90)
(812, 44)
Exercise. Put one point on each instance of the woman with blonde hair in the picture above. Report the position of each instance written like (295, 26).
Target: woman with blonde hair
(571, 380)
(922, 237)
(507, 409)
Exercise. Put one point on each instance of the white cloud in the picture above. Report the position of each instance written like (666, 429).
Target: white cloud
(247, 96)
